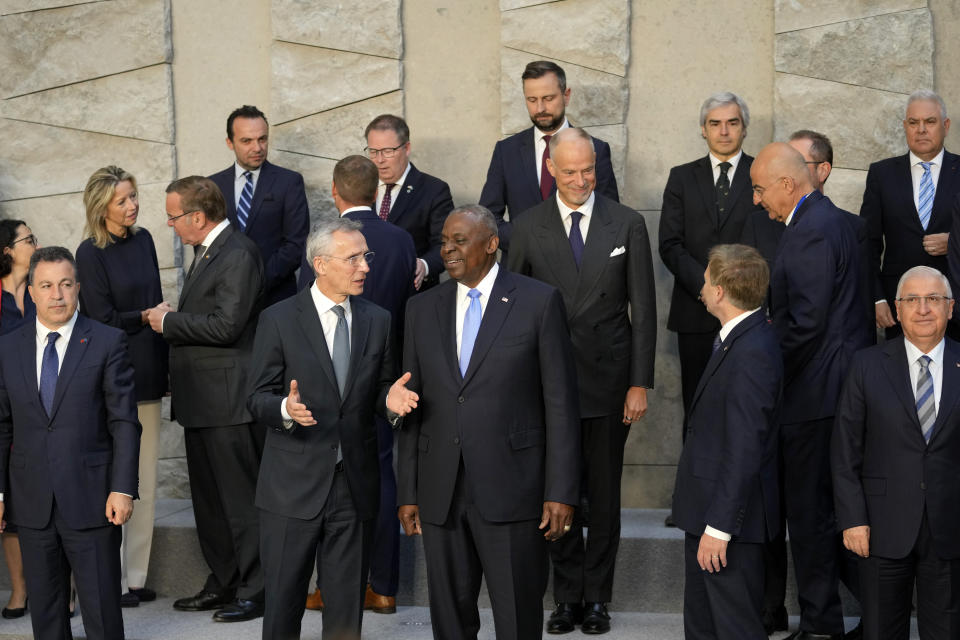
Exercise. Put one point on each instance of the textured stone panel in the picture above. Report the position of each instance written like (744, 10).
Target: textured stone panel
(136, 104)
(40, 160)
(308, 80)
(317, 178)
(507, 5)
(338, 132)
(865, 125)
(56, 220)
(364, 26)
(172, 478)
(170, 283)
(20, 6)
(849, 51)
(596, 98)
(616, 136)
(589, 33)
(647, 486)
(71, 44)
(791, 15)
(153, 218)
(845, 187)
(170, 444)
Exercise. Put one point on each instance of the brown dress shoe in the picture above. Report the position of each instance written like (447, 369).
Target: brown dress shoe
(377, 603)
(315, 601)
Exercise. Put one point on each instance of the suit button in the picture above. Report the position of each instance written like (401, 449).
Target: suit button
(334, 447)
(923, 485)
(460, 399)
(456, 441)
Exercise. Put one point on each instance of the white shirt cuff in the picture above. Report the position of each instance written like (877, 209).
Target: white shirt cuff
(719, 535)
(287, 420)
(162, 318)
(426, 267)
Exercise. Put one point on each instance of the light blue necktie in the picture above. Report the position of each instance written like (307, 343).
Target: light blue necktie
(471, 326)
(925, 204)
(49, 371)
(246, 199)
(926, 405)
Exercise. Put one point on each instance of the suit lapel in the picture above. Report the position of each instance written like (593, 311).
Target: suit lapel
(79, 340)
(405, 195)
(498, 307)
(741, 178)
(529, 162)
(264, 187)
(708, 190)
(359, 334)
(906, 202)
(208, 257)
(554, 242)
(951, 380)
(896, 368)
(745, 325)
(601, 239)
(447, 323)
(28, 353)
(309, 323)
(944, 198)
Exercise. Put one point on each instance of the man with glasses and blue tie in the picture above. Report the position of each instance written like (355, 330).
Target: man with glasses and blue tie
(907, 204)
(265, 202)
(895, 455)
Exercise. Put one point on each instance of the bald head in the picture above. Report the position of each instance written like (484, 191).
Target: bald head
(572, 164)
(780, 178)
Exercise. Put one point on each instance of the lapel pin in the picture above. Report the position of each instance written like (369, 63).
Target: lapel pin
(409, 188)
(84, 341)
(506, 300)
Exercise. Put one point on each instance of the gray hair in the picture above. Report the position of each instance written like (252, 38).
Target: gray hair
(924, 271)
(570, 133)
(721, 99)
(926, 95)
(480, 214)
(320, 240)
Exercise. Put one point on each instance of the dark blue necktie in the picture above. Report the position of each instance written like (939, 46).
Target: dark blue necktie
(716, 342)
(576, 238)
(49, 371)
(246, 199)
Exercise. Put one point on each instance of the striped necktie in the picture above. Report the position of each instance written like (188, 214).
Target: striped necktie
(926, 405)
(925, 204)
(246, 199)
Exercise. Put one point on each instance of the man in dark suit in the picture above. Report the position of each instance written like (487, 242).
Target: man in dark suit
(388, 284)
(907, 204)
(818, 312)
(726, 496)
(518, 178)
(265, 202)
(705, 203)
(323, 364)
(211, 337)
(69, 446)
(597, 254)
(407, 197)
(490, 462)
(896, 449)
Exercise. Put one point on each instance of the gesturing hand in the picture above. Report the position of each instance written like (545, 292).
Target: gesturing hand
(297, 410)
(401, 400)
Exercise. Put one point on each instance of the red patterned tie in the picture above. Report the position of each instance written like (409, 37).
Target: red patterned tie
(385, 204)
(546, 180)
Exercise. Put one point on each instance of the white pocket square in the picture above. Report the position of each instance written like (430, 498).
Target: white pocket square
(618, 251)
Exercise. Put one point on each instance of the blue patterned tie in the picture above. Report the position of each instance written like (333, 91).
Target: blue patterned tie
(576, 238)
(471, 326)
(49, 371)
(246, 199)
(925, 205)
(926, 406)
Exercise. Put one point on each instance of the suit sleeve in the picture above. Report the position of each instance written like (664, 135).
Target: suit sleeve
(643, 306)
(606, 179)
(953, 249)
(95, 295)
(561, 405)
(121, 405)
(268, 385)
(846, 449)
(440, 208)
(296, 226)
(408, 456)
(686, 269)
(240, 283)
(749, 234)
(493, 196)
(872, 212)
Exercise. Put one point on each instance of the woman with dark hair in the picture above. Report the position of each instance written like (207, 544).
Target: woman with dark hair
(119, 281)
(16, 307)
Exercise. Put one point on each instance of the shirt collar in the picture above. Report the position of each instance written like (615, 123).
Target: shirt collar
(238, 171)
(937, 160)
(216, 231)
(913, 352)
(485, 286)
(352, 209)
(795, 207)
(538, 135)
(733, 322)
(734, 161)
(586, 208)
(402, 179)
(65, 331)
(324, 304)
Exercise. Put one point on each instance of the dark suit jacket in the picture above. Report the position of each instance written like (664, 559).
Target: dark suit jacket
(612, 352)
(420, 209)
(279, 222)
(884, 474)
(893, 224)
(89, 445)
(211, 334)
(727, 475)
(298, 465)
(690, 226)
(817, 308)
(512, 183)
(390, 280)
(513, 418)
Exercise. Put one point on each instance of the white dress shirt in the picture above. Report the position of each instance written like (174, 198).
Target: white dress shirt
(485, 286)
(916, 173)
(715, 163)
(586, 209)
(240, 181)
(935, 367)
(539, 144)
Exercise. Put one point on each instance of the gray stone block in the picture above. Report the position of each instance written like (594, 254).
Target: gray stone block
(308, 80)
(317, 177)
(60, 46)
(8, 7)
(849, 52)
(791, 15)
(365, 26)
(589, 33)
(173, 482)
(56, 220)
(845, 187)
(508, 5)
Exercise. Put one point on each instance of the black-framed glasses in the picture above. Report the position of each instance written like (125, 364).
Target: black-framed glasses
(30, 239)
(914, 301)
(386, 152)
(171, 218)
(354, 261)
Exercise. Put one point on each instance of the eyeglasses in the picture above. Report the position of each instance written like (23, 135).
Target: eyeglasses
(814, 162)
(387, 152)
(30, 239)
(914, 301)
(171, 219)
(759, 191)
(354, 261)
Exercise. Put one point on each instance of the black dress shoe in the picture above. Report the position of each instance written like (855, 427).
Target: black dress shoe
(807, 635)
(668, 521)
(203, 601)
(129, 600)
(596, 620)
(565, 617)
(775, 620)
(239, 610)
(856, 633)
(11, 613)
(144, 594)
